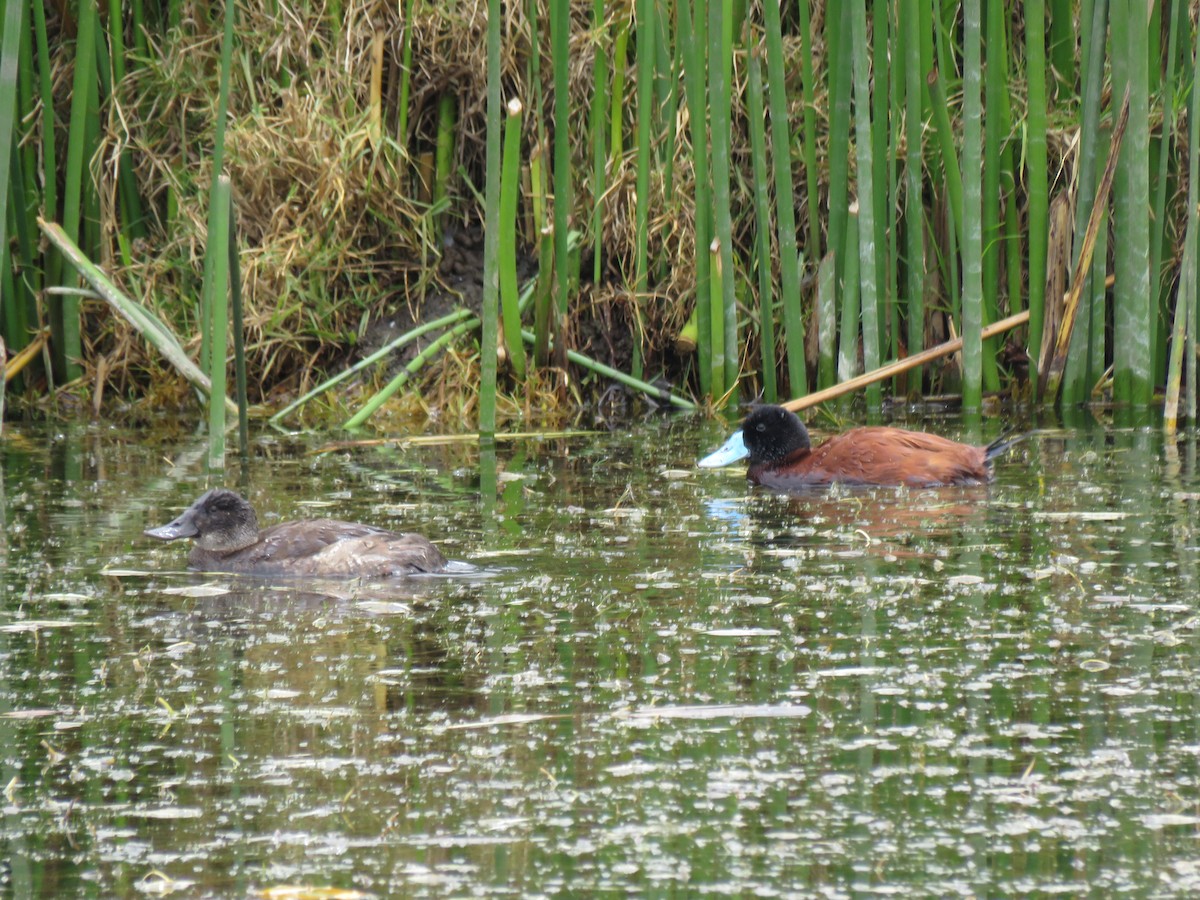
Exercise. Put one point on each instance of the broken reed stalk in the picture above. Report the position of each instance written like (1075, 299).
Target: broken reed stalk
(407, 338)
(629, 381)
(900, 366)
(444, 340)
(144, 322)
(1054, 372)
(510, 295)
(436, 346)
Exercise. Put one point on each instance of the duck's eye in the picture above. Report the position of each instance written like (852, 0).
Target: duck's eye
(761, 426)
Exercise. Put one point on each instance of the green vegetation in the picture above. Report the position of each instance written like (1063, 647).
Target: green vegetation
(733, 200)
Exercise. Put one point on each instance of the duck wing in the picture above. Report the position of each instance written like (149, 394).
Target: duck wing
(384, 553)
(899, 456)
(330, 548)
(883, 456)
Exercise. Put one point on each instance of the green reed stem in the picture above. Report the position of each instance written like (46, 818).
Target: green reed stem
(995, 89)
(693, 31)
(218, 164)
(972, 210)
(848, 349)
(914, 209)
(667, 59)
(49, 179)
(560, 13)
(443, 160)
(616, 125)
(717, 317)
(406, 12)
(723, 304)
(116, 39)
(132, 224)
(510, 183)
(1132, 327)
(1062, 45)
(1011, 235)
(139, 29)
(599, 139)
(17, 300)
(1086, 340)
(1192, 300)
(647, 39)
(1160, 311)
(881, 167)
(491, 252)
(790, 262)
(216, 294)
(1037, 190)
(762, 222)
(808, 92)
(826, 323)
(868, 247)
(945, 139)
(10, 50)
(837, 28)
(65, 319)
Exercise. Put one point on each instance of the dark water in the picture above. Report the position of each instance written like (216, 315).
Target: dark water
(671, 684)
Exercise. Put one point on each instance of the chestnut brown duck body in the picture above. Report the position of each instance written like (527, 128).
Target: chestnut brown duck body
(780, 455)
(227, 539)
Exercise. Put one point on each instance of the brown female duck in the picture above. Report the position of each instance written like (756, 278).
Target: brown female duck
(227, 539)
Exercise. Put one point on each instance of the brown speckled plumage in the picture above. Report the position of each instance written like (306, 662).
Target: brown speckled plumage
(225, 529)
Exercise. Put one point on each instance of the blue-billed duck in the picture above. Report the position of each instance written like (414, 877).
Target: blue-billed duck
(781, 456)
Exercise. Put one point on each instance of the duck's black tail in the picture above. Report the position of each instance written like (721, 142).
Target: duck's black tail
(1004, 443)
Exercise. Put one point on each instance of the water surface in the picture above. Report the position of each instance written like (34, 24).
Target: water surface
(669, 684)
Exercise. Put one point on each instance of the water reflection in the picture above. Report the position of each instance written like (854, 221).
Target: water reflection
(671, 684)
